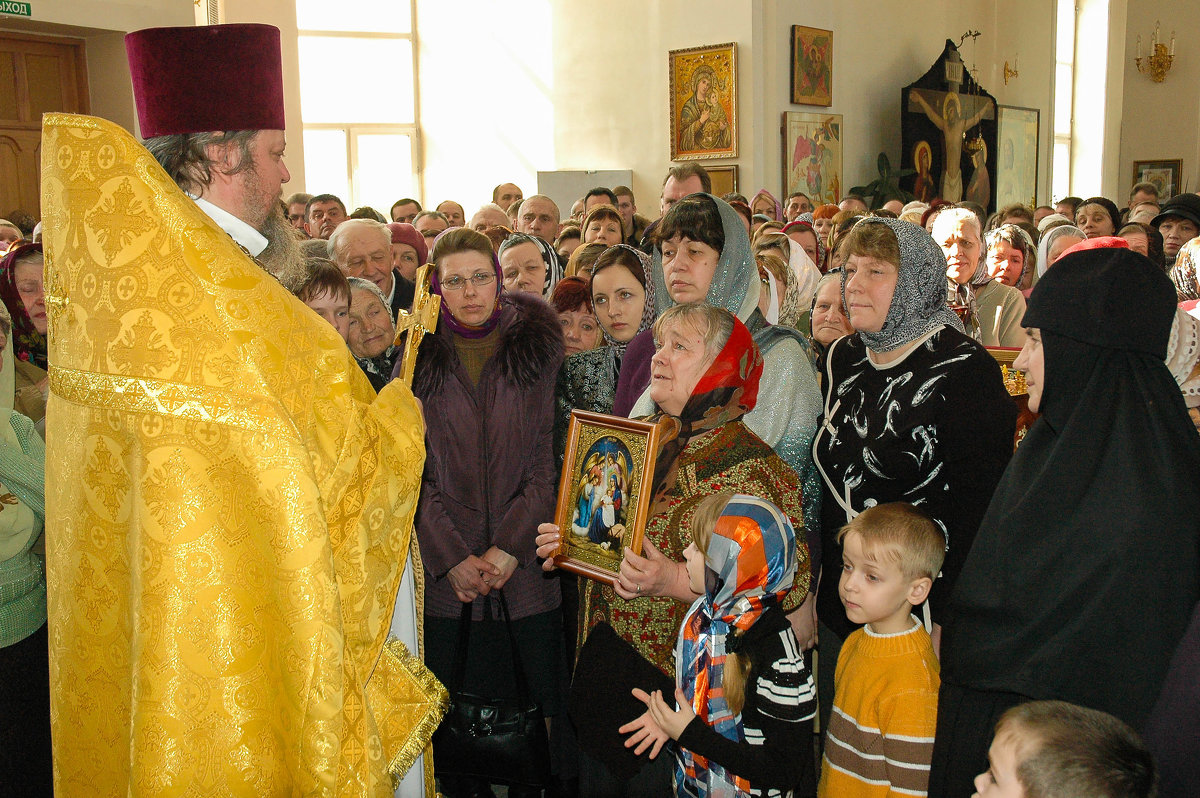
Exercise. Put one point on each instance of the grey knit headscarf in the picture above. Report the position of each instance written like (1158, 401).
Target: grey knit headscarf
(919, 302)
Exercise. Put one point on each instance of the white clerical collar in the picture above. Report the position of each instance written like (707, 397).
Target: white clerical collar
(254, 241)
(392, 293)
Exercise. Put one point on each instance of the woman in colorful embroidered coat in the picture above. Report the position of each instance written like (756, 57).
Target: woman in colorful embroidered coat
(705, 378)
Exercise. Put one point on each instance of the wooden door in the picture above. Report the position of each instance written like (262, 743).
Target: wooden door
(37, 75)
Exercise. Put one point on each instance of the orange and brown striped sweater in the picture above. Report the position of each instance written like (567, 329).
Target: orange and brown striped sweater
(880, 736)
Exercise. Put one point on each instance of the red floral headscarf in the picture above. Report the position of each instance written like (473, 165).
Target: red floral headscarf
(727, 391)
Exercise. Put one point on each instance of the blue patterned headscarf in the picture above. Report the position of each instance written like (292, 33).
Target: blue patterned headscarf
(919, 302)
(750, 566)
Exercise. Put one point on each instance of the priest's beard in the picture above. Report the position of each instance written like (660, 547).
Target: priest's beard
(282, 257)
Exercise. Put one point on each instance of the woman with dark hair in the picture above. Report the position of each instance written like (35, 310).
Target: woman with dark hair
(1086, 569)
(707, 373)
(1011, 256)
(487, 374)
(573, 301)
(801, 232)
(623, 300)
(1098, 216)
(603, 225)
(569, 238)
(915, 411)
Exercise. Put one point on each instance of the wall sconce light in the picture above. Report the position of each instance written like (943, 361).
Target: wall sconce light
(1158, 62)
(1011, 71)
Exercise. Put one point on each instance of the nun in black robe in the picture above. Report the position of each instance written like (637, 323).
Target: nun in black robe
(1086, 569)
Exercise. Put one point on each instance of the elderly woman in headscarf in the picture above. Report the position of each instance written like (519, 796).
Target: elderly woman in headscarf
(1054, 243)
(529, 265)
(828, 318)
(1011, 256)
(371, 333)
(707, 372)
(915, 411)
(24, 294)
(1086, 569)
(798, 261)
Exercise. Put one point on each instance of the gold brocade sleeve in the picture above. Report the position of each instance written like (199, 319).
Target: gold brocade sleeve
(229, 505)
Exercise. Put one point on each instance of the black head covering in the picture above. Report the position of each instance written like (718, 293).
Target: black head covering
(1109, 206)
(1085, 570)
(1185, 206)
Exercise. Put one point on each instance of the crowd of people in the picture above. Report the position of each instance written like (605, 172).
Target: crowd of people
(858, 577)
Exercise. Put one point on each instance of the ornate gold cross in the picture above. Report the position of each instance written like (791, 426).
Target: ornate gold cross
(421, 320)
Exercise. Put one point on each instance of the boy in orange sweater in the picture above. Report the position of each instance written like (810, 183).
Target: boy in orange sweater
(880, 736)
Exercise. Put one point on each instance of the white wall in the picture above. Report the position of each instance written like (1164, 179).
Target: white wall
(487, 87)
(611, 108)
(1161, 121)
(611, 104)
(506, 90)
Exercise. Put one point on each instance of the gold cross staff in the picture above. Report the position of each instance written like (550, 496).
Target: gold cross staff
(423, 319)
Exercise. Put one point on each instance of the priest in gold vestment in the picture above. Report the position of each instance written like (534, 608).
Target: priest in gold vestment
(229, 507)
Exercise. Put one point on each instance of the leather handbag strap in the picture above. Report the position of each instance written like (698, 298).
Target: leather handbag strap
(462, 648)
(518, 663)
(459, 674)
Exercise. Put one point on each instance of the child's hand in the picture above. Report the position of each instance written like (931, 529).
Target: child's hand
(643, 732)
(673, 722)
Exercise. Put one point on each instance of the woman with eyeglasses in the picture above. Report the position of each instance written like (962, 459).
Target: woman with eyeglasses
(486, 378)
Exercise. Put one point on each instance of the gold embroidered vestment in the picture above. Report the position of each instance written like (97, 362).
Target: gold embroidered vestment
(229, 507)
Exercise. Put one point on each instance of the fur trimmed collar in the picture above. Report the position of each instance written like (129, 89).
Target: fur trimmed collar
(531, 340)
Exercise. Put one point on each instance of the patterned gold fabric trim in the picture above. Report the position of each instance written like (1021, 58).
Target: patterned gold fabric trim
(438, 702)
(193, 402)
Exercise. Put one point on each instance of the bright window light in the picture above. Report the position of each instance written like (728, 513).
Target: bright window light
(330, 92)
(386, 16)
(325, 171)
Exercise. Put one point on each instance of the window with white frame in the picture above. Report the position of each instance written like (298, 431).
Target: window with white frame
(358, 100)
(1064, 80)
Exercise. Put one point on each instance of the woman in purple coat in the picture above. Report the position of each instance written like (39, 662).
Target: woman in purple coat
(486, 379)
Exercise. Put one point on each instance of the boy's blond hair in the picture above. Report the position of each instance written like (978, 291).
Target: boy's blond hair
(903, 534)
(1064, 750)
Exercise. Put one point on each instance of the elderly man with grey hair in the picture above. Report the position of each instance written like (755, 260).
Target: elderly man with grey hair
(363, 248)
(489, 215)
(995, 309)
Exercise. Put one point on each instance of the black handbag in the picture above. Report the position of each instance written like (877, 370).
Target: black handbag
(497, 740)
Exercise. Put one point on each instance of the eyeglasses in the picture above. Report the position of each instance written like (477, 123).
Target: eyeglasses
(478, 279)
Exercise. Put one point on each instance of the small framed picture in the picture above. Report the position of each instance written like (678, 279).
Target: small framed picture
(1163, 174)
(703, 102)
(812, 66)
(604, 493)
(724, 179)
